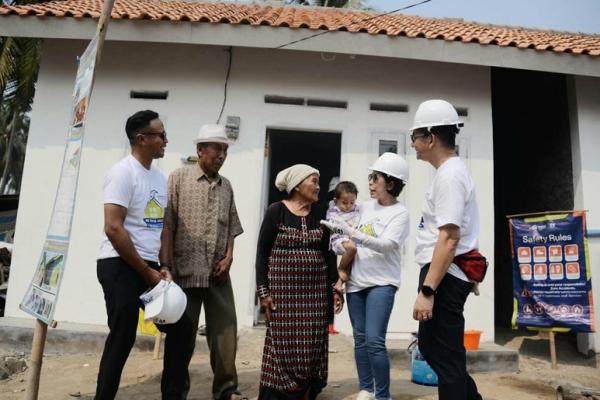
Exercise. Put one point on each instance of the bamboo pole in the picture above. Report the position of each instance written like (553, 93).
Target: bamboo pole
(39, 336)
(103, 27)
(37, 355)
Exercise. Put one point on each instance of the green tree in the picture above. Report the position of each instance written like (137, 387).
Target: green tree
(19, 64)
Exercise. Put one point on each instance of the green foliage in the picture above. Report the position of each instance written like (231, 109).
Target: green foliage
(19, 63)
(15, 127)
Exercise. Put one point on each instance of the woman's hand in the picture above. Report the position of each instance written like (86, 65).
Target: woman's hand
(339, 286)
(338, 302)
(337, 225)
(269, 306)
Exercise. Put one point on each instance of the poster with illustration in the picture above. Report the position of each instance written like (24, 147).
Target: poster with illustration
(42, 294)
(552, 283)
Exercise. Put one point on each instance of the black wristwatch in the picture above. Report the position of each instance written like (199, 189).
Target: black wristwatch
(165, 265)
(428, 291)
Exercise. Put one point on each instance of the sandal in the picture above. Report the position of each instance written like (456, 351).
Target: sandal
(228, 395)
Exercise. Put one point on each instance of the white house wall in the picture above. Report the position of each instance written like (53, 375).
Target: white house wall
(585, 121)
(194, 77)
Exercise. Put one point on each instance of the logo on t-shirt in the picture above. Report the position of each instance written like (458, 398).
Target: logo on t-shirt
(368, 229)
(154, 212)
(421, 224)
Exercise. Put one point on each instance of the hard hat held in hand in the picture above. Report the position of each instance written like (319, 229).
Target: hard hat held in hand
(165, 303)
(435, 113)
(393, 165)
(212, 133)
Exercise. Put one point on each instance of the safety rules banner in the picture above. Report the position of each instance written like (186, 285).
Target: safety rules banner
(42, 294)
(552, 283)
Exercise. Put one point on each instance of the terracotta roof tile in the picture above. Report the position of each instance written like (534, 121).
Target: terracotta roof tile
(315, 18)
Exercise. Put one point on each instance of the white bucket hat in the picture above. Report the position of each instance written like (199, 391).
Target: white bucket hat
(165, 303)
(212, 133)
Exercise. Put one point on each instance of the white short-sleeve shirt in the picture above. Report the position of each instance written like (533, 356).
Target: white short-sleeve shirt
(450, 200)
(144, 193)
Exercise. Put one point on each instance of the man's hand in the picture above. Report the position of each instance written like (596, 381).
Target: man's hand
(151, 277)
(166, 274)
(269, 306)
(423, 308)
(221, 270)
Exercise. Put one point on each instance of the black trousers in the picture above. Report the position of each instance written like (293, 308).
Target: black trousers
(122, 287)
(441, 339)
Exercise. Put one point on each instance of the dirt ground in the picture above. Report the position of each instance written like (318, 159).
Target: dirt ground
(72, 376)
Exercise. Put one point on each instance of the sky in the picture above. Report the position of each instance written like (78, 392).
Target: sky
(561, 15)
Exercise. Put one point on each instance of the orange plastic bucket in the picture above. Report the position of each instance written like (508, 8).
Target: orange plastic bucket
(472, 340)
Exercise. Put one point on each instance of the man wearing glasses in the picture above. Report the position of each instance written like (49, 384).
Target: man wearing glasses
(449, 227)
(135, 196)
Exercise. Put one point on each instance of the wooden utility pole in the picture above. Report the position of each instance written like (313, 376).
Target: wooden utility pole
(552, 349)
(37, 354)
(41, 328)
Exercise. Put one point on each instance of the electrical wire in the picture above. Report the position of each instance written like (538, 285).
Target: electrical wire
(230, 51)
(357, 22)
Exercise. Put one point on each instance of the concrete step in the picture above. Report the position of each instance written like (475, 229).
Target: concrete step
(490, 357)
(66, 338)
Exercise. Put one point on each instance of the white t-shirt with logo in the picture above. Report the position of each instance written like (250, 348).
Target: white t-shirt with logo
(390, 225)
(449, 200)
(144, 193)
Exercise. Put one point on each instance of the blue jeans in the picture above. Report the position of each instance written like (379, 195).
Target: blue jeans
(370, 311)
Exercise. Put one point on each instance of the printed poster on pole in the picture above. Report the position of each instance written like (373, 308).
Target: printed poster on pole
(552, 283)
(42, 294)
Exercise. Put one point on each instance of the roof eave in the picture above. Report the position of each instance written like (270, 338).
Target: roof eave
(333, 42)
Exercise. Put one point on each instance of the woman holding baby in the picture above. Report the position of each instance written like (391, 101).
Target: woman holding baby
(375, 275)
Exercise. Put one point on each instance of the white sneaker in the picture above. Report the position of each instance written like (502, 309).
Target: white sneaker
(364, 395)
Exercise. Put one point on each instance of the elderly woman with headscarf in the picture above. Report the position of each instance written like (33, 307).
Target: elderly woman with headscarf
(295, 277)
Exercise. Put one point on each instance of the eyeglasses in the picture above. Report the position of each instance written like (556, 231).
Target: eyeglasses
(415, 136)
(162, 135)
(373, 177)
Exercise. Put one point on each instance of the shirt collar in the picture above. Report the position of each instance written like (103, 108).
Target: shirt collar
(200, 174)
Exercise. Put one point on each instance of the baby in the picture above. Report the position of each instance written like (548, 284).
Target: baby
(343, 206)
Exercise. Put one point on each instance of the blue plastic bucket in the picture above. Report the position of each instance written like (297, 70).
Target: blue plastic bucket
(421, 372)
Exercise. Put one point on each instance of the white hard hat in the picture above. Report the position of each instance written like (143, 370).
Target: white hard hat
(165, 303)
(213, 133)
(393, 165)
(333, 183)
(435, 113)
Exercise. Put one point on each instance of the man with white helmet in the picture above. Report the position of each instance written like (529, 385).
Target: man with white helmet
(201, 223)
(449, 227)
(135, 195)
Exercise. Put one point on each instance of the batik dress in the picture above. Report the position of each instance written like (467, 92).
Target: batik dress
(295, 267)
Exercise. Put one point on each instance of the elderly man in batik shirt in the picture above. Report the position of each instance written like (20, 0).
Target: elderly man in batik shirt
(201, 223)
